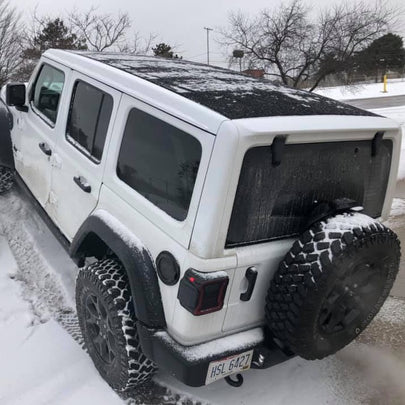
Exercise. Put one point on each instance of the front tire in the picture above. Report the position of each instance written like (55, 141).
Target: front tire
(6, 179)
(106, 317)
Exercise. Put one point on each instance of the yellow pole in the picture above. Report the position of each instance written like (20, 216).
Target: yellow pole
(385, 84)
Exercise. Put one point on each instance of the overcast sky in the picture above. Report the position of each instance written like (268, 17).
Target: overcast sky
(176, 22)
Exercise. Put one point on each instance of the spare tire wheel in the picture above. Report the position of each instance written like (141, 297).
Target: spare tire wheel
(331, 284)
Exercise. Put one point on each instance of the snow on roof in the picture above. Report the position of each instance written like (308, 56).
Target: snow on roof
(227, 92)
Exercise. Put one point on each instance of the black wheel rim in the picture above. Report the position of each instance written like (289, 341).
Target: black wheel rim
(100, 329)
(352, 298)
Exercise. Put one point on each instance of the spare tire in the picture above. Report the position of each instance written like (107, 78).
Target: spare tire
(331, 284)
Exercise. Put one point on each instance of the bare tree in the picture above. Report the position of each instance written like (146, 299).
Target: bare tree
(100, 31)
(41, 33)
(300, 50)
(10, 41)
(139, 45)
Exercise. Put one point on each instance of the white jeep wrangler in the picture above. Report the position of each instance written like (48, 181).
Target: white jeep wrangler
(214, 216)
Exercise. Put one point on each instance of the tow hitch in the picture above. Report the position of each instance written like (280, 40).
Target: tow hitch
(233, 383)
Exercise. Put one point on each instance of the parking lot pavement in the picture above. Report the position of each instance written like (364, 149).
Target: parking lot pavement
(377, 102)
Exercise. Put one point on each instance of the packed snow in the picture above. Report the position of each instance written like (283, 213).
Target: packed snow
(41, 363)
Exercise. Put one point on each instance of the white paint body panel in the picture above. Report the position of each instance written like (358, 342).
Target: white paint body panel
(32, 129)
(73, 205)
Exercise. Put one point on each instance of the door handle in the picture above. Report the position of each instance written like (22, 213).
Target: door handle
(82, 183)
(45, 148)
(251, 275)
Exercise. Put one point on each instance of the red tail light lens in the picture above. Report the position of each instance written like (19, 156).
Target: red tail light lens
(202, 293)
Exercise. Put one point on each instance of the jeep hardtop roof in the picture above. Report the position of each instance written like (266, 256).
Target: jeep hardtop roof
(227, 93)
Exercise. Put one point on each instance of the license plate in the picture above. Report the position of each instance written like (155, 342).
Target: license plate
(230, 365)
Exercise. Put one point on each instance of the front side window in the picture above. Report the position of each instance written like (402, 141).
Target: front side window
(160, 162)
(47, 91)
(88, 120)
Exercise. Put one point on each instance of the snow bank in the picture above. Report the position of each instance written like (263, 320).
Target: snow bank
(395, 87)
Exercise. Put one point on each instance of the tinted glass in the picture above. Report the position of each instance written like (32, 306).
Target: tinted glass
(278, 201)
(160, 162)
(47, 91)
(89, 116)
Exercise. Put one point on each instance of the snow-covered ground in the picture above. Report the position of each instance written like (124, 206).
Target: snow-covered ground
(396, 87)
(42, 361)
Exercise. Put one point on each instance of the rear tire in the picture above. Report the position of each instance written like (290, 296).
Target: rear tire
(6, 179)
(106, 317)
(331, 284)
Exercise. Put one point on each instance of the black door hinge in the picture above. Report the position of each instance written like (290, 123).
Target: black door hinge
(277, 149)
(376, 143)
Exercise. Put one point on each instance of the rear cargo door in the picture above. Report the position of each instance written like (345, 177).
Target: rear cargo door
(273, 204)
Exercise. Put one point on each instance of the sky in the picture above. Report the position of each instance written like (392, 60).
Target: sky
(176, 22)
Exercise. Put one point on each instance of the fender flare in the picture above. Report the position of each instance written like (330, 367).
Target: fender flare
(135, 258)
(6, 125)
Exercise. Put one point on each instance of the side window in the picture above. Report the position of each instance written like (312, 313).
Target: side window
(160, 162)
(47, 91)
(89, 116)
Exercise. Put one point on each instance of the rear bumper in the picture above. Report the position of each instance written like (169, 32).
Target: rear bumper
(189, 364)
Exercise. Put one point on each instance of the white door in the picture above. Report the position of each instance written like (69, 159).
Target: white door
(79, 159)
(39, 128)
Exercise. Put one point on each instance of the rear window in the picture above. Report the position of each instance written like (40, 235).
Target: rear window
(88, 120)
(160, 162)
(276, 202)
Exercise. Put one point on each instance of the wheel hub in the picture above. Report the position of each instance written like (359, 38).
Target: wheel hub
(351, 299)
(99, 326)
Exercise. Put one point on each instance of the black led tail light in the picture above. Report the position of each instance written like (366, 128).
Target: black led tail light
(202, 293)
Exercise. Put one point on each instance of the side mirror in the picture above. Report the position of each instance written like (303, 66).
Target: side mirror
(16, 96)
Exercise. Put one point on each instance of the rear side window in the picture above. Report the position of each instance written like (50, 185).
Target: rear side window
(160, 162)
(47, 91)
(89, 116)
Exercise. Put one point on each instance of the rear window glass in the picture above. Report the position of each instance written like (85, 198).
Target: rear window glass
(89, 117)
(274, 202)
(160, 162)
